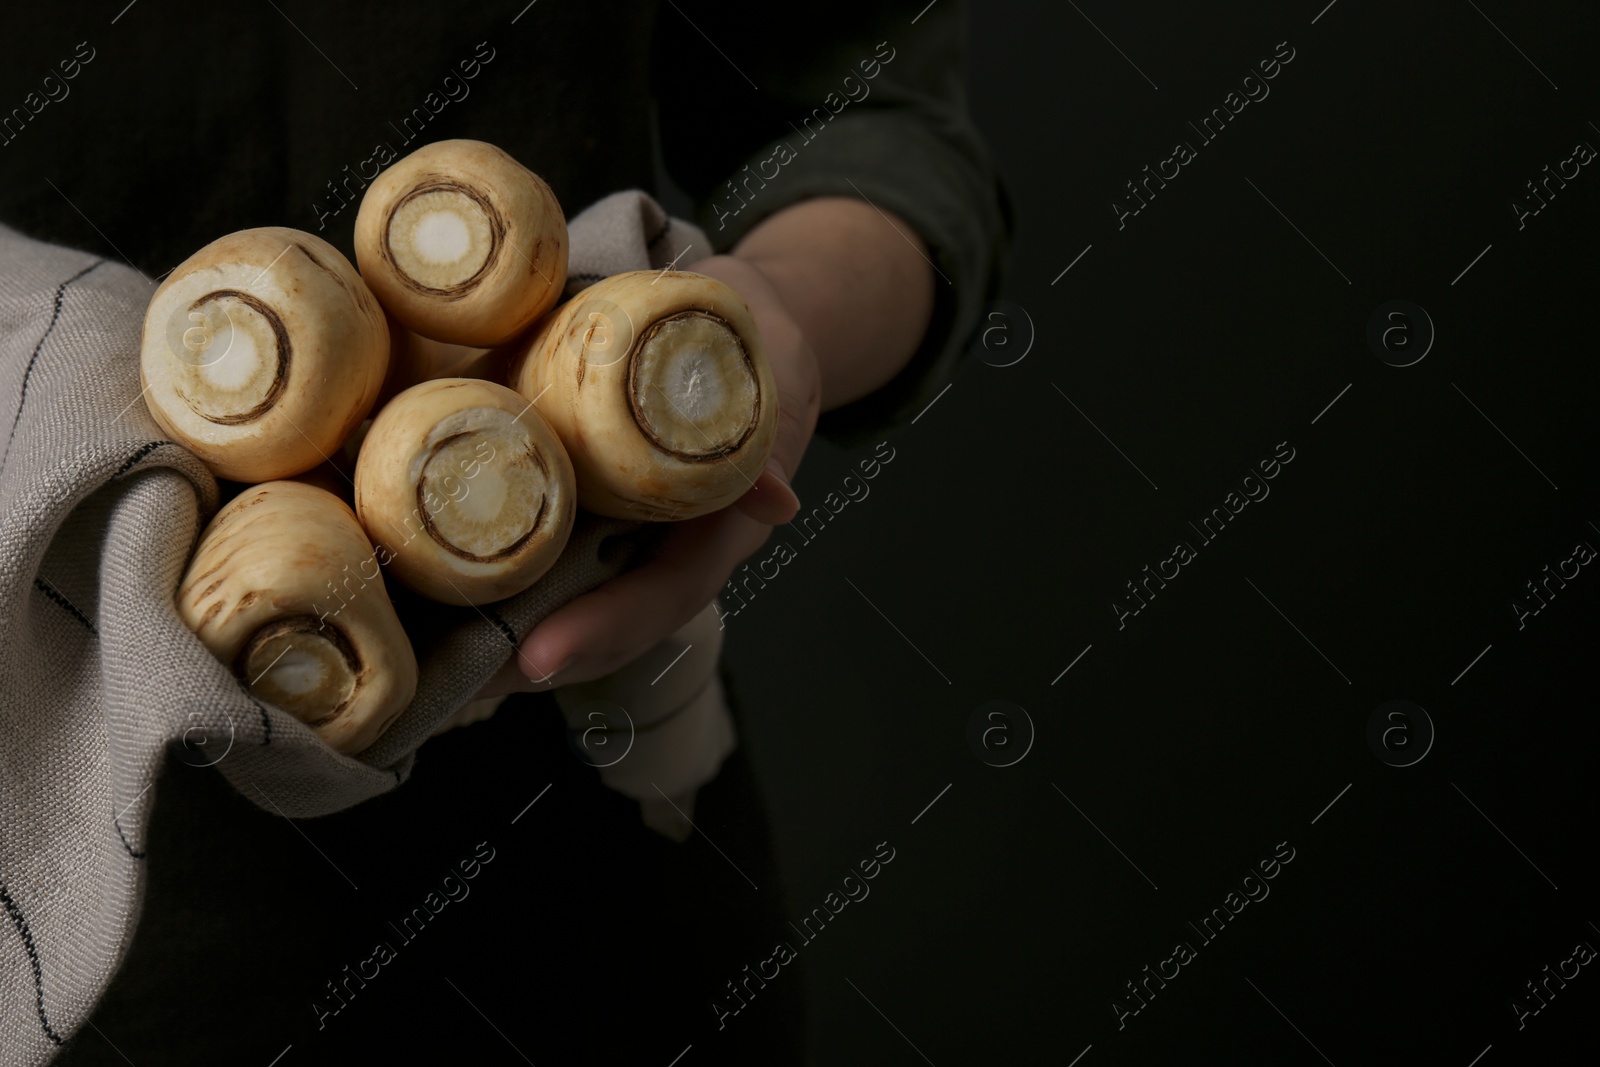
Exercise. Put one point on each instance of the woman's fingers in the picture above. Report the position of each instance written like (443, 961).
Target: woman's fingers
(602, 630)
(513, 677)
(609, 627)
(770, 501)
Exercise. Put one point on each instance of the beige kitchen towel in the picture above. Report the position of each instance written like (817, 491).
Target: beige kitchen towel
(666, 714)
(98, 677)
(659, 728)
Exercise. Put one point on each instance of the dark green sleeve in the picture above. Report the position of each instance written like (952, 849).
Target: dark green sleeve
(845, 100)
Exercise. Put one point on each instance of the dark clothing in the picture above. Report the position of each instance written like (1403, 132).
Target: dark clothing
(586, 938)
(185, 121)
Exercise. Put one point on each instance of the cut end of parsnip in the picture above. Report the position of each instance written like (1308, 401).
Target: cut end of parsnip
(462, 243)
(658, 386)
(693, 389)
(505, 502)
(441, 236)
(262, 352)
(307, 668)
(467, 488)
(286, 590)
(236, 357)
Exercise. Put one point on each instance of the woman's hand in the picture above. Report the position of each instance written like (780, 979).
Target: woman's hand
(842, 293)
(611, 626)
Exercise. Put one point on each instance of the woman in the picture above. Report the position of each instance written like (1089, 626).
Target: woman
(832, 167)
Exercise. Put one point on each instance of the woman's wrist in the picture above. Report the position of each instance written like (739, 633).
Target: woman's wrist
(856, 281)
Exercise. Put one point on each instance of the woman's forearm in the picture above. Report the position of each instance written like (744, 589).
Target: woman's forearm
(856, 280)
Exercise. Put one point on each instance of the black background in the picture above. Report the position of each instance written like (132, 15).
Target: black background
(1181, 749)
(1197, 338)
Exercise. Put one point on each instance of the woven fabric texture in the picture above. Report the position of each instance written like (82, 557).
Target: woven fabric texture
(98, 676)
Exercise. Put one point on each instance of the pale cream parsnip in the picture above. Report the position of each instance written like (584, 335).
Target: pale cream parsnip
(462, 243)
(261, 595)
(657, 384)
(414, 358)
(262, 352)
(466, 487)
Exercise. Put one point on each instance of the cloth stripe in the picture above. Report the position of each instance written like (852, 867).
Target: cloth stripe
(50, 591)
(21, 923)
(266, 720)
(116, 820)
(55, 316)
(142, 451)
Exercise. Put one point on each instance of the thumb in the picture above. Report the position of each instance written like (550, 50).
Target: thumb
(771, 499)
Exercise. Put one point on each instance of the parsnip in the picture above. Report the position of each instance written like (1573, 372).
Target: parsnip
(657, 384)
(262, 352)
(467, 488)
(285, 590)
(414, 358)
(336, 477)
(462, 243)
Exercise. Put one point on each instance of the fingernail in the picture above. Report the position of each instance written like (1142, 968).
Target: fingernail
(784, 489)
(563, 665)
